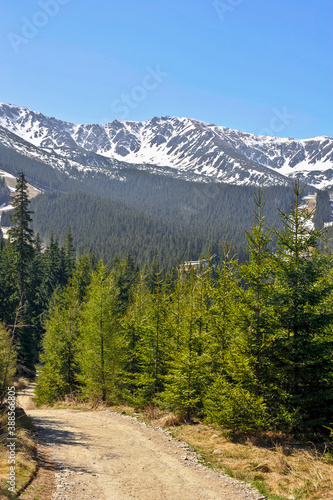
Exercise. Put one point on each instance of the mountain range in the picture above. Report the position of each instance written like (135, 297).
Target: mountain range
(182, 148)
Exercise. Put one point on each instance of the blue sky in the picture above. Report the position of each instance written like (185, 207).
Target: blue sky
(261, 66)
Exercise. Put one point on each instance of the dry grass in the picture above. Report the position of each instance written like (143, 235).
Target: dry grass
(158, 418)
(21, 383)
(282, 470)
(169, 420)
(43, 485)
(73, 402)
(26, 456)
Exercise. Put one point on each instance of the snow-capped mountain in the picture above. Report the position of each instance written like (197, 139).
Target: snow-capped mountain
(181, 147)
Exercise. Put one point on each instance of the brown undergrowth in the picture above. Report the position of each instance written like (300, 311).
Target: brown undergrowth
(279, 467)
(34, 471)
(26, 462)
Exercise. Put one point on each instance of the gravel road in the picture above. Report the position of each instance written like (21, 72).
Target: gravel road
(103, 455)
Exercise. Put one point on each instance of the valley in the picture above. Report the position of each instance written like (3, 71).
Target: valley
(166, 250)
(194, 179)
(114, 316)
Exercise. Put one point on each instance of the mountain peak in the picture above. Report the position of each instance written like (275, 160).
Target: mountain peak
(180, 146)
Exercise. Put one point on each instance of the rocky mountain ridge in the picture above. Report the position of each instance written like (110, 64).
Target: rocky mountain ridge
(180, 147)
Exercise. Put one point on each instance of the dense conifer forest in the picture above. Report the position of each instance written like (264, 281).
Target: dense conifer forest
(244, 343)
(132, 210)
(150, 214)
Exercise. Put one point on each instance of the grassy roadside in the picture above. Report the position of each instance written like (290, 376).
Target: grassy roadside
(26, 463)
(279, 469)
(31, 464)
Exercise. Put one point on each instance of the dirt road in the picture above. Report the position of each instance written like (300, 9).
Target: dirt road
(106, 456)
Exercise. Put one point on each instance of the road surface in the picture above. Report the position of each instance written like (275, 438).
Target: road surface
(103, 455)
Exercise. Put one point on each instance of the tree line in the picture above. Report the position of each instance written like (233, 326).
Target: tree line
(243, 344)
(132, 210)
(148, 214)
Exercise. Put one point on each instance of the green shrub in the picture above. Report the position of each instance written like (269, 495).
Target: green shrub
(235, 407)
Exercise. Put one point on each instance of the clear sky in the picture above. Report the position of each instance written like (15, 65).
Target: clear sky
(261, 66)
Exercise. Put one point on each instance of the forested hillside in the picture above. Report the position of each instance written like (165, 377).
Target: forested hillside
(323, 209)
(246, 345)
(149, 214)
(113, 229)
(115, 211)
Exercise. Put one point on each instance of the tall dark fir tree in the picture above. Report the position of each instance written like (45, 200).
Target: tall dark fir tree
(22, 249)
(21, 235)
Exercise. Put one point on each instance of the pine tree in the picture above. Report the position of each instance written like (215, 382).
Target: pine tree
(21, 234)
(189, 361)
(302, 350)
(59, 374)
(101, 342)
(236, 398)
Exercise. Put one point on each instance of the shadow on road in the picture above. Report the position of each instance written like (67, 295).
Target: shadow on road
(51, 433)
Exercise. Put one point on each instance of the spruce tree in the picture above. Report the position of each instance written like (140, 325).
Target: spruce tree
(9, 293)
(21, 243)
(189, 362)
(54, 268)
(255, 302)
(59, 373)
(302, 351)
(223, 311)
(21, 234)
(36, 301)
(153, 330)
(82, 275)
(101, 342)
(7, 359)
(134, 324)
(68, 256)
(127, 275)
(236, 398)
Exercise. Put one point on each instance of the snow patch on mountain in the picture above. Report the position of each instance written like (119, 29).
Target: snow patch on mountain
(182, 147)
